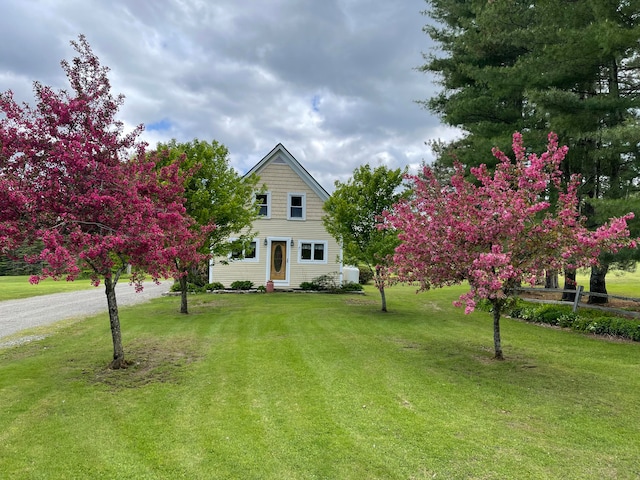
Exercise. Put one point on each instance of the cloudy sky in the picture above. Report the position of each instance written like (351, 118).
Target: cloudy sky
(334, 81)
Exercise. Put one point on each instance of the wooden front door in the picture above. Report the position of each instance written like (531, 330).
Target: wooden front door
(278, 260)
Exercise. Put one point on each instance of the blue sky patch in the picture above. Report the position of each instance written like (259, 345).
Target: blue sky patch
(160, 126)
(315, 103)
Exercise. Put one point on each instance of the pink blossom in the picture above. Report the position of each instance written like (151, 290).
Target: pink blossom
(499, 230)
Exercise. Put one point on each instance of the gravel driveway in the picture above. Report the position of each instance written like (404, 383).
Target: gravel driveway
(17, 315)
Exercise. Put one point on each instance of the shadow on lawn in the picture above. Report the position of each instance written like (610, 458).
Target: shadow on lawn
(151, 361)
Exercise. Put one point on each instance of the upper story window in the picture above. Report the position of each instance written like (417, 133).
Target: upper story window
(297, 207)
(263, 201)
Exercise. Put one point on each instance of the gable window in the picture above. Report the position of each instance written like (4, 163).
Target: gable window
(313, 251)
(296, 207)
(263, 202)
(249, 254)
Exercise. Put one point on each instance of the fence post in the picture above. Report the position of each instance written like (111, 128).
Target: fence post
(579, 291)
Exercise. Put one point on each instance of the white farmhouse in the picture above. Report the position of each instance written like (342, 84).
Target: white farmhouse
(292, 245)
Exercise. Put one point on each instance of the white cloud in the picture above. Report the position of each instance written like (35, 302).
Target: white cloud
(334, 81)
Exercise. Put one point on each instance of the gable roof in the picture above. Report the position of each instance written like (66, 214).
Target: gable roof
(279, 154)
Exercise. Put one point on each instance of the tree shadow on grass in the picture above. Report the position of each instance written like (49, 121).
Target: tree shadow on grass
(152, 361)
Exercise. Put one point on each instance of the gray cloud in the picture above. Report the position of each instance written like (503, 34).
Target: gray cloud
(334, 81)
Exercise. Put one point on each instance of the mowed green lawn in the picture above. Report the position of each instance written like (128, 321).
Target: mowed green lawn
(302, 386)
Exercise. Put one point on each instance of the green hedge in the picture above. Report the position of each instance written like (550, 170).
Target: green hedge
(587, 321)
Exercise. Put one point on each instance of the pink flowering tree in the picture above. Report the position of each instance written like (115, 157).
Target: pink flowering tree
(15, 205)
(497, 231)
(14, 220)
(95, 200)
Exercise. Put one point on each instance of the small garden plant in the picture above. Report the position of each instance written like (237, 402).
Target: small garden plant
(330, 283)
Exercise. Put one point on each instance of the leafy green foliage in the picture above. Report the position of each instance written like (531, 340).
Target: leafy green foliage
(552, 65)
(191, 288)
(598, 211)
(354, 212)
(15, 264)
(242, 285)
(587, 321)
(215, 192)
(365, 275)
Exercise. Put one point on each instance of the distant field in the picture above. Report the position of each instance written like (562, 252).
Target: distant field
(19, 287)
(618, 282)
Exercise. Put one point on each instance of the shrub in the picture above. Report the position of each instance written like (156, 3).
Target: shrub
(242, 285)
(329, 283)
(351, 287)
(214, 286)
(365, 276)
(326, 282)
(191, 288)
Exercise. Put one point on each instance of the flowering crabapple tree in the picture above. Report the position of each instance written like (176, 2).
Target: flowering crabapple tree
(13, 206)
(95, 200)
(497, 231)
(15, 219)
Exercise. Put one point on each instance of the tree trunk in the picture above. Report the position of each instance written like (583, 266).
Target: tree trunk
(183, 294)
(379, 281)
(597, 283)
(116, 335)
(497, 344)
(569, 284)
(384, 299)
(551, 279)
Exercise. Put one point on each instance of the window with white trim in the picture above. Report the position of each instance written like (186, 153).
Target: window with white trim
(263, 201)
(248, 254)
(296, 209)
(312, 251)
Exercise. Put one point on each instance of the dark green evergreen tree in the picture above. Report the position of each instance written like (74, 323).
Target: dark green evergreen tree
(534, 66)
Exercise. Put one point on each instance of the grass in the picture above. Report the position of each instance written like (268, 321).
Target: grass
(12, 288)
(302, 386)
(618, 283)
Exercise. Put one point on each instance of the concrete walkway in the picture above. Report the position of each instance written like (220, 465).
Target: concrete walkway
(18, 315)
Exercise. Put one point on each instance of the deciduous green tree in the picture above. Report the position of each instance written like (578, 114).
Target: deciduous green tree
(215, 195)
(353, 214)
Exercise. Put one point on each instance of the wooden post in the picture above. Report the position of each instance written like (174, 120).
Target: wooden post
(579, 291)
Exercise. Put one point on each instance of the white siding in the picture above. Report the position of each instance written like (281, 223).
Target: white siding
(281, 181)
